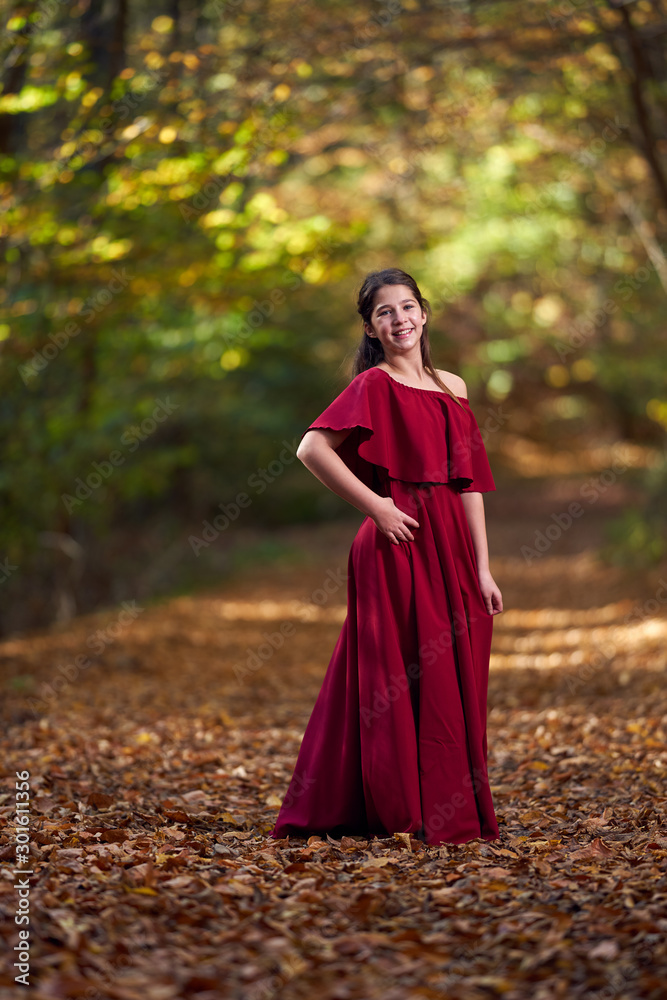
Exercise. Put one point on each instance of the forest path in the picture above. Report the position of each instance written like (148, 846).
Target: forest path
(157, 770)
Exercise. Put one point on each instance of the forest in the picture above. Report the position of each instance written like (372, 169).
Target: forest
(191, 197)
(191, 200)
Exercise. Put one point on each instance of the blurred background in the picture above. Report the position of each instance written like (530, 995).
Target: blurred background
(191, 198)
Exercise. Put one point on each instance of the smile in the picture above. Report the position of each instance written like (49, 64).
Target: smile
(403, 333)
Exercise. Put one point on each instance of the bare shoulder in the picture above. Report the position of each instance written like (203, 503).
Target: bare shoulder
(453, 382)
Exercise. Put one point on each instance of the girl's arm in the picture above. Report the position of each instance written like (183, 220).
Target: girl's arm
(316, 451)
(473, 505)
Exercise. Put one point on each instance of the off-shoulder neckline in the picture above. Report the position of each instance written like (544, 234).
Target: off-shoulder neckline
(415, 388)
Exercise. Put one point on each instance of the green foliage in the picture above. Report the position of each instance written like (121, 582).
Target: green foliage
(635, 539)
(188, 218)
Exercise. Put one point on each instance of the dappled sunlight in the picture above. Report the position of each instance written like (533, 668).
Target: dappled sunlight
(529, 458)
(265, 610)
(533, 640)
(162, 745)
(555, 617)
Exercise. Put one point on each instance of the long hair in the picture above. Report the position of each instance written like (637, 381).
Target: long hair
(370, 351)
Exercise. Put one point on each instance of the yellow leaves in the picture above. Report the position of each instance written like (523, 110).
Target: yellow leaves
(29, 99)
(162, 24)
(583, 369)
(503, 852)
(557, 376)
(272, 800)
(167, 135)
(281, 92)
(314, 272)
(143, 737)
(656, 409)
(66, 150)
(220, 217)
(189, 276)
(537, 765)
(230, 160)
(405, 839)
(547, 309)
(398, 165)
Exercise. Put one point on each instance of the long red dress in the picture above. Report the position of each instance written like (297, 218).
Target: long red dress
(396, 741)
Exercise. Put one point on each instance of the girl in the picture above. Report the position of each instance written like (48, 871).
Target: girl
(397, 738)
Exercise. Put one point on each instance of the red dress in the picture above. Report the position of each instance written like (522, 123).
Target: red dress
(397, 737)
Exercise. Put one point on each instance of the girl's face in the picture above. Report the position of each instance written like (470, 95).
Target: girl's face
(396, 320)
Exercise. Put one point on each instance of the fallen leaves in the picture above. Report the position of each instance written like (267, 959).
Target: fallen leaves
(155, 878)
(596, 849)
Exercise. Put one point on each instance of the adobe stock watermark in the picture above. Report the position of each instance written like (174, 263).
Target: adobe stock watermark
(298, 785)
(266, 989)
(428, 655)
(6, 570)
(221, 6)
(461, 449)
(560, 11)
(593, 150)
(44, 13)
(209, 193)
(391, 9)
(130, 439)
(591, 490)
(22, 885)
(68, 673)
(93, 305)
(256, 658)
(585, 325)
(445, 812)
(148, 80)
(606, 650)
(258, 481)
(261, 311)
(588, 156)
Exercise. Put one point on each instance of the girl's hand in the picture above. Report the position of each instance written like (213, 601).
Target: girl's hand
(392, 522)
(490, 592)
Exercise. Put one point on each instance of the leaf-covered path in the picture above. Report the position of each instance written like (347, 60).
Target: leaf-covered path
(157, 766)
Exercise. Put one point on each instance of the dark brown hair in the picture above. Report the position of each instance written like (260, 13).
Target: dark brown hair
(370, 351)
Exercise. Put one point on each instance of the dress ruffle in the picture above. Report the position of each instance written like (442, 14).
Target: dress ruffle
(431, 441)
